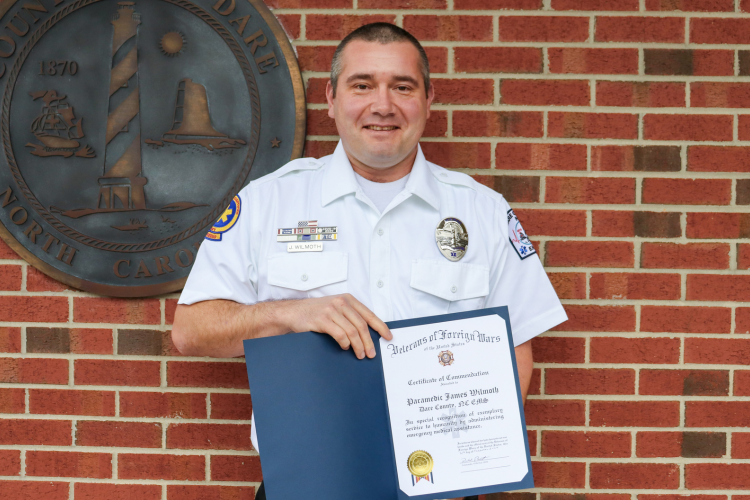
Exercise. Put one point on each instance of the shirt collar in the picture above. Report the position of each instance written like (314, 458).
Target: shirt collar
(339, 179)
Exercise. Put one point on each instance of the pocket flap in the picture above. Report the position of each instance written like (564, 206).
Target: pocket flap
(305, 271)
(450, 281)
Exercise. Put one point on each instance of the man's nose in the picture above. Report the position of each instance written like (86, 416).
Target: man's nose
(383, 103)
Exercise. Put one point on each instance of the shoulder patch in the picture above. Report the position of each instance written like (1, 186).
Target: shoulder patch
(518, 238)
(226, 221)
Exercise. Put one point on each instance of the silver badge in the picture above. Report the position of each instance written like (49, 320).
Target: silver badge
(452, 238)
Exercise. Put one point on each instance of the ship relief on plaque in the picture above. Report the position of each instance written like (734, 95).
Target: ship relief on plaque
(128, 127)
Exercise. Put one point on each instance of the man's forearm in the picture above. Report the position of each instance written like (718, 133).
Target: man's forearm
(525, 364)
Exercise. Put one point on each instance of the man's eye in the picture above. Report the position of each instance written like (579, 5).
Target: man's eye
(360, 86)
(402, 88)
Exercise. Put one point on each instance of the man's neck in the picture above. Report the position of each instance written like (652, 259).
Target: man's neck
(388, 174)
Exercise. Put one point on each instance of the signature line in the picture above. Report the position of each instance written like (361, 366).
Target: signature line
(489, 468)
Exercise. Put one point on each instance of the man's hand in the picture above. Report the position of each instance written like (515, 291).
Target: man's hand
(342, 317)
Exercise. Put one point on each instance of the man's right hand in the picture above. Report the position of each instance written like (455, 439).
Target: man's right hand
(342, 317)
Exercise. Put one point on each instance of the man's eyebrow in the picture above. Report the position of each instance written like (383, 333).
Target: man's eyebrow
(360, 76)
(406, 78)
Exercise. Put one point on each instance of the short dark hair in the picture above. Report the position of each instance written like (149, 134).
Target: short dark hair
(381, 33)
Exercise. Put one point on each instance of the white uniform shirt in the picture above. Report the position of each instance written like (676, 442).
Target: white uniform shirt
(390, 262)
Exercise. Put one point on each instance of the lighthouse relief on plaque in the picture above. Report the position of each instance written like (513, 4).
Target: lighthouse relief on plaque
(128, 127)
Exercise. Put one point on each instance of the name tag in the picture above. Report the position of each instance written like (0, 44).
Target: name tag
(313, 246)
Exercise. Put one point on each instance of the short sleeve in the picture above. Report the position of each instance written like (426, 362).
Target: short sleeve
(224, 267)
(518, 280)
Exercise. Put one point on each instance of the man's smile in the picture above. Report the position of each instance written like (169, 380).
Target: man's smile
(381, 128)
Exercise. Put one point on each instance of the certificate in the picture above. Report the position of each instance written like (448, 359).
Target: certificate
(453, 406)
(436, 414)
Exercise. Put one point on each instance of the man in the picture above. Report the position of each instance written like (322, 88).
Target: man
(412, 239)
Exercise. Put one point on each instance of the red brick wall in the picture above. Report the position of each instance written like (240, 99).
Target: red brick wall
(617, 130)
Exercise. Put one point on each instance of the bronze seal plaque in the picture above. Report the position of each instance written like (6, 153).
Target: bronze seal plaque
(128, 127)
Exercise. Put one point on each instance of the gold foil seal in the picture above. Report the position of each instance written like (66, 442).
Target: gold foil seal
(420, 463)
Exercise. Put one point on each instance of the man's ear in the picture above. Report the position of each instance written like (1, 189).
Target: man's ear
(430, 98)
(329, 98)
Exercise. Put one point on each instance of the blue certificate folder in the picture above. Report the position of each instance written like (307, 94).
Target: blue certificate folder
(322, 418)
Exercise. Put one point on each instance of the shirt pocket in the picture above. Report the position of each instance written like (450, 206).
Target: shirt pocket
(440, 288)
(307, 275)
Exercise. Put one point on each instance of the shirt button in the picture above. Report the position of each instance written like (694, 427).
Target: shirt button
(304, 277)
(454, 289)
(380, 284)
(380, 231)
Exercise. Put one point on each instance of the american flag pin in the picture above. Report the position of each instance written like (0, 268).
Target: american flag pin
(307, 223)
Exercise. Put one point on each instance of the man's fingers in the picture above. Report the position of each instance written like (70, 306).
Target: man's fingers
(364, 333)
(352, 333)
(376, 323)
(338, 334)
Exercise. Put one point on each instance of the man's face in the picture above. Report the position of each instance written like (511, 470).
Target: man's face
(380, 106)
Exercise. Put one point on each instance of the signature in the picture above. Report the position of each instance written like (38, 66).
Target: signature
(469, 461)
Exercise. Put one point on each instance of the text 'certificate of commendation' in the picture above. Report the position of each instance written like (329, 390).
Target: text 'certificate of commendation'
(454, 407)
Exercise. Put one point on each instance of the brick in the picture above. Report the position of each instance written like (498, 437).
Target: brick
(463, 91)
(170, 305)
(594, 4)
(117, 372)
(543, 29)
(145, 343)
(68, 464)
(684, 382)
(36, 309)
(641, 476)
(743, 127)
(600, 190)
(104, 491)
(316, 90)
(717, 476)
(309, 4)
(717, 413)
(10, 277)
(691, 5)
(72, 402)
(202, 374)
(684, 256)
(634, 413)
(23, 490)
(33, 371)
(742, 320)
(640, 29)
(743, 256)
(636, 158)
(569, 285)
(10, 462)
(37, 281)
(658, 444)
(586, 444)
(162, 404)
(550, 412)
(559, 474)
(525, 156)
(513, 188)
(592, 125)
(7, 253)
(593, 61)
(438, 59)
(458, 154)
(717, 351)
(12, 401)
(402, 4)
(209, 437)
(687, 191)
(553, 222)
(336, 27)
(450, 28)
(497, 60)
(741, 383)
(52, 340)
(685, 319)
(169, 467)
(196, 492)
(437, 124)
(118, 434)
(497, 124)
(689, 62)
(235, 468)
(69, 340)
(535, 386)
(36, 432)
(640, 94)
(704, 444)
(687, 127)
(10, 339)
(114, 310)
(316, 58)
(313, 149)
(718, 159)
(718, 225)
(497, 4)
(589, 254)
(633, 286)
(589, 381)
(559, 350)
(744, 57)
(718, 287)
(231, 406)
(720, 30)
(291, 24)
(612, 223)
(635, 350)
(585, 318)
(741, 445)
(719, 95)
